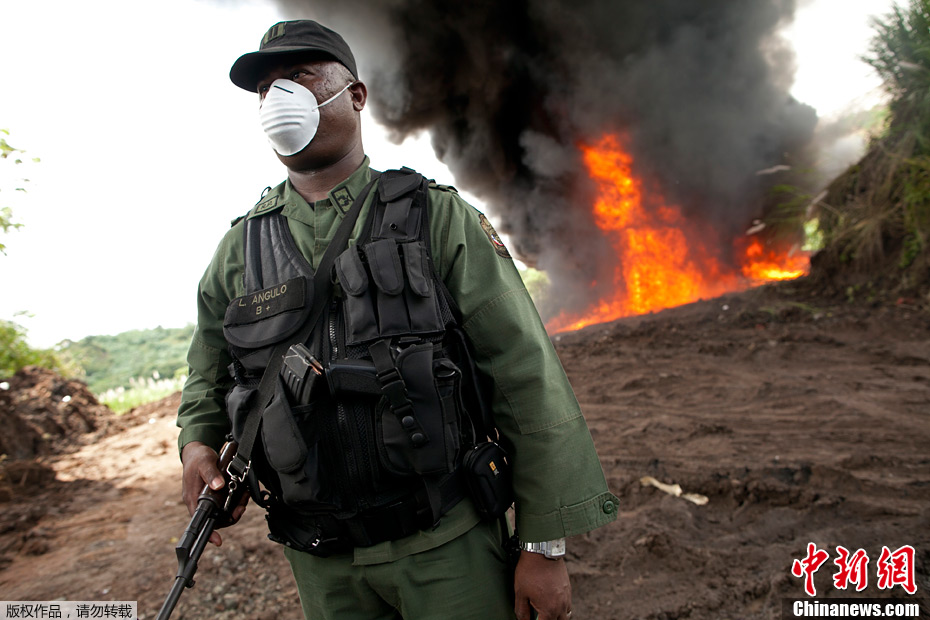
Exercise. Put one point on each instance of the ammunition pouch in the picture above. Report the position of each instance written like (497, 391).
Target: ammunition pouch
(393, 297)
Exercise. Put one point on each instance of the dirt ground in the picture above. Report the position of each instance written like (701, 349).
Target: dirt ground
(799, 419)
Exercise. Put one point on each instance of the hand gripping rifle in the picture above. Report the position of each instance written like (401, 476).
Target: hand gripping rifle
(214, 510)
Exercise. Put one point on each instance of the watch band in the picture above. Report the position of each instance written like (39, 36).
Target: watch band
(552, 549)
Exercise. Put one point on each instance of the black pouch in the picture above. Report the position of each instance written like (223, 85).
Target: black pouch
(292, 529)
(360, 317)
(431, 387)
(238, 401)
(489, 479)
(389, 291)
(291, 439)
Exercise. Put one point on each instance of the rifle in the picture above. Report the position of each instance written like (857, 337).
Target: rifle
(214, 510)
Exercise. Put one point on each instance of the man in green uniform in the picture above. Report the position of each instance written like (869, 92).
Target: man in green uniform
(457, 568)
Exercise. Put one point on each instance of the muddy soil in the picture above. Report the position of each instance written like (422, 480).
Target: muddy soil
(799, 419)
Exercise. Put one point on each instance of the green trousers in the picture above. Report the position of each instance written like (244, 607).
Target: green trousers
(466, 578)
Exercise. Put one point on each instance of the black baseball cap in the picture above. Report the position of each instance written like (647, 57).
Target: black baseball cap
(289, 38)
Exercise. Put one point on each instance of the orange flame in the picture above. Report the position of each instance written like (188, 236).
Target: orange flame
(659, 265)
(769, 265)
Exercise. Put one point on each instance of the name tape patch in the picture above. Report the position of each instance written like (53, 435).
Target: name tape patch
(284, 297)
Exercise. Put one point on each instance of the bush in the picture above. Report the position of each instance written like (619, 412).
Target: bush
(15, 352)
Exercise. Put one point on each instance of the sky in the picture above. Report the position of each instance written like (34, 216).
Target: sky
(148, 151)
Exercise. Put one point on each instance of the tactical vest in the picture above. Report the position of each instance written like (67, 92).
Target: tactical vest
(363, 439)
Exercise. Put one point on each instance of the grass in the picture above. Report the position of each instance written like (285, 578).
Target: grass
(875, 217)
(140, 392)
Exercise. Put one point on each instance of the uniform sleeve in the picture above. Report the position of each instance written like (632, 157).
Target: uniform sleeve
(558, 479)
(202, 413)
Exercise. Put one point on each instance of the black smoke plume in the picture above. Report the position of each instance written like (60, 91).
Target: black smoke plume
(509, 89)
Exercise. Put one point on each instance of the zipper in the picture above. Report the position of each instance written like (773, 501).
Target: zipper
(333, 344)
(346, 429)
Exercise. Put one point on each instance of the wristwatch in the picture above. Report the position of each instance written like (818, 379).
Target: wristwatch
(552, 549)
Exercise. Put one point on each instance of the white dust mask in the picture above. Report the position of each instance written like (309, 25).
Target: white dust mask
(290, 115)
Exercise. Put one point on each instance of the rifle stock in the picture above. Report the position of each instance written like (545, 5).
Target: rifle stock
(214, 510)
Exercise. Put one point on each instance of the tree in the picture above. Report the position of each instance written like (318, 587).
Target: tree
(900, 54)
(15, 352)
(10, 154)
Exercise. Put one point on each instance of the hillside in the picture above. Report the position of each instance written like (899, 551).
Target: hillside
(110, 361)
(801, 420)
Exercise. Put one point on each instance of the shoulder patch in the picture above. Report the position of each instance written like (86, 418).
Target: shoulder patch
(266, 205)
(493, 237)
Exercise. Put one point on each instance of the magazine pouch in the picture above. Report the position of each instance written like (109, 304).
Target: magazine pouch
(388, 291)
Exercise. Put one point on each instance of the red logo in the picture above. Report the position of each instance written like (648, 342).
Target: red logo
(896, 568)
(808, 566)
(852, 569)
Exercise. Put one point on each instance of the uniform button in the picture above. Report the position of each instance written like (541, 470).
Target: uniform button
(418, 439)
(609, 507)
(407, 422)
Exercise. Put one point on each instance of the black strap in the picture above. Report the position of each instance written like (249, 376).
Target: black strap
(322, 280)
(394, 388)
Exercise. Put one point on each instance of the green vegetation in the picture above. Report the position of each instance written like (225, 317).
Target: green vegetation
(112, 362)
(124, 371)
(15, 353)
(141, 391)
(10, 154)
(875, 219)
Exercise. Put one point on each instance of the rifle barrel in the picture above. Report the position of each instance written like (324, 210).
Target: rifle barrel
(176, 590)
(210, 508)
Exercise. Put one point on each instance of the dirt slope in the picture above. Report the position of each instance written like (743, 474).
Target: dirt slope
(799, 422)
